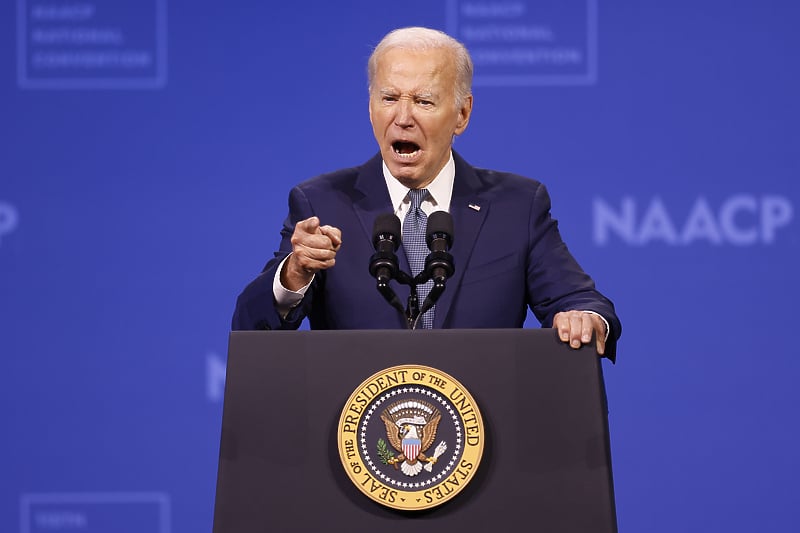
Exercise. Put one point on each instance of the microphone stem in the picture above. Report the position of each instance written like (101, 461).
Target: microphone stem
(413, 307)
(390, 296)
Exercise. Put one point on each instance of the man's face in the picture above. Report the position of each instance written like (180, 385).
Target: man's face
(413, 112)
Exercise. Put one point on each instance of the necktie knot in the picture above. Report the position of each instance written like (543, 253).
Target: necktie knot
(417, 196)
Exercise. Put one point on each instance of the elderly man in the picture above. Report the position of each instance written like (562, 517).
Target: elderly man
(508, 252)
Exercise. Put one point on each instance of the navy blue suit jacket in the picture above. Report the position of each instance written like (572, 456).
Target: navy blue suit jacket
(507, 251)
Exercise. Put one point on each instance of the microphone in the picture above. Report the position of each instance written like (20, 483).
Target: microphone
(439, 264)
(439, 237)
(386, 239)
(383, 263)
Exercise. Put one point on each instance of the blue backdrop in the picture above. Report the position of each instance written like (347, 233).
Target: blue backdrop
(148, 147)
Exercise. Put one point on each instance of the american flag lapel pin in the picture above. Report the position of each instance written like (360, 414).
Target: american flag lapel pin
(475, 207)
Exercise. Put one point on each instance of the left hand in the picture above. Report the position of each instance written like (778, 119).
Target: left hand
(576, 327)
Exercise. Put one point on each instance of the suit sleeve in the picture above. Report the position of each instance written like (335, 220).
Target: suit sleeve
(555, 280)
(255, 306)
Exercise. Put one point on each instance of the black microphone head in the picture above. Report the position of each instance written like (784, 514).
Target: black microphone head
(386, 227)
(440, 226)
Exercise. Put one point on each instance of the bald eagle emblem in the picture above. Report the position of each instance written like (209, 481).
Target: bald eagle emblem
(411, 429)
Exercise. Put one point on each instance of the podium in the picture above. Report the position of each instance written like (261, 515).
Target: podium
(546, 459)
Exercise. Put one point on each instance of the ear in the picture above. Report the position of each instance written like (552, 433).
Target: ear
(370, 101)
(463, 115)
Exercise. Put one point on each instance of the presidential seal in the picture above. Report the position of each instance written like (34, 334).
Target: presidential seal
(410, 437)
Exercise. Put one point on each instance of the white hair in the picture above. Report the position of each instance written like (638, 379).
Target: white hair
(418, 38)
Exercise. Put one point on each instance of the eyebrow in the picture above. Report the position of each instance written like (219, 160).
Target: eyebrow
(427, 95)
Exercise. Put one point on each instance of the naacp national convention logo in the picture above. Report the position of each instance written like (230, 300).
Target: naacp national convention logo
(410, 437)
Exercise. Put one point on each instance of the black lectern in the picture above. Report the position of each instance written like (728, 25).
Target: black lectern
(546, 461)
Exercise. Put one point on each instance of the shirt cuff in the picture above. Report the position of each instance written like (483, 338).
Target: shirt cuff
(285, 299)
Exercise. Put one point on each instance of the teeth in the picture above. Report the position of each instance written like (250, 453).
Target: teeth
(408, 155)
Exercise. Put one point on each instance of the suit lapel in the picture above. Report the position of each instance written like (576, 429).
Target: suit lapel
(469, 206)
(374, 200)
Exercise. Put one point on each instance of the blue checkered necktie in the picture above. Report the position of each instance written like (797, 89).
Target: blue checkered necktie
(416, 250)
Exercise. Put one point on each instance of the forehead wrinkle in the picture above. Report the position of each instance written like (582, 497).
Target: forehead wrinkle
(414, 93)
(423, 83)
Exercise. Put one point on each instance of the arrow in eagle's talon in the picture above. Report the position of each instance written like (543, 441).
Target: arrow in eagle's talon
(440, 449)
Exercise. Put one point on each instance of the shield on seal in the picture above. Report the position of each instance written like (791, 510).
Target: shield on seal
(411, 449)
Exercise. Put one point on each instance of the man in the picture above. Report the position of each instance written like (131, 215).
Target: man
(508, 252)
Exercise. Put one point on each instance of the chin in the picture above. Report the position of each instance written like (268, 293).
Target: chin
(405, 175)
(410, 181)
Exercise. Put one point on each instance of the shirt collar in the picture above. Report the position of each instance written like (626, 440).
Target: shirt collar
(440, 190)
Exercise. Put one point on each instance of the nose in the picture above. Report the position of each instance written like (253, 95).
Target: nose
(404, 118)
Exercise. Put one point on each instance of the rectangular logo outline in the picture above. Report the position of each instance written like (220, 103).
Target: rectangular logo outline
(511, 80)
(27, 500)
(157, 82)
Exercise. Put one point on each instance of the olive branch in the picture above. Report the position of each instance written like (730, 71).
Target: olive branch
(383, 452)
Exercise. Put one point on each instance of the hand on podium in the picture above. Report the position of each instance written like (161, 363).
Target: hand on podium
(576, 328)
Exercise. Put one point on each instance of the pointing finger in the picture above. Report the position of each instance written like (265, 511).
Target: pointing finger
(309, 225)
(334, 234)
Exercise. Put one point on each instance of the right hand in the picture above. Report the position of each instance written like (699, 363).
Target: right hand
(314, 248)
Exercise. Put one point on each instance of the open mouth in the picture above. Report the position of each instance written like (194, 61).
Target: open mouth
(405, 148)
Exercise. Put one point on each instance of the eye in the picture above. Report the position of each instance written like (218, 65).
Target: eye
(425, 103)
(388, 98)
